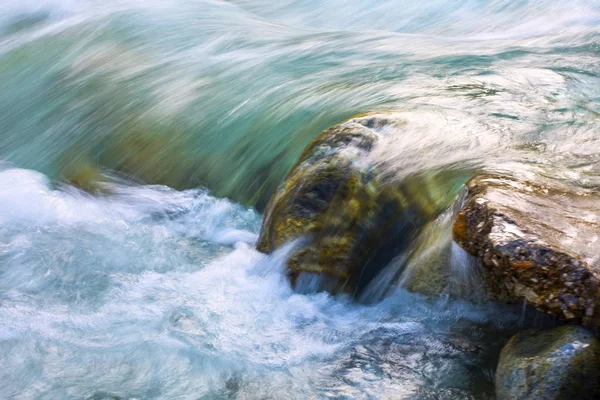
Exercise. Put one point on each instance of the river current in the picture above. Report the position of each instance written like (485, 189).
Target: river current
(181, 117)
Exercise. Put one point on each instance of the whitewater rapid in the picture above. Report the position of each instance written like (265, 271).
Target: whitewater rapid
(155, 293)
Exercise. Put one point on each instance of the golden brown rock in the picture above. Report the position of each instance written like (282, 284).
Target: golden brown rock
(355, 218)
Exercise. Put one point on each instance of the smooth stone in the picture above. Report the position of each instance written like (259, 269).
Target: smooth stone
(556, 364)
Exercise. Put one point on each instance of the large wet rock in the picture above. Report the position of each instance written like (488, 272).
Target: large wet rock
(538, 243)
(353, 217)
(557, 364)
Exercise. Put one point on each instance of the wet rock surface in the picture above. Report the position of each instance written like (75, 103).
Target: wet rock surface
(353, 217)
(559, 364)
(537, 243)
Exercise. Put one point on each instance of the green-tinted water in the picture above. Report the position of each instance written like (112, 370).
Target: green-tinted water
(226, 94)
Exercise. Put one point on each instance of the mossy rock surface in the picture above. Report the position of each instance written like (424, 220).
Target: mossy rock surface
(557, 364)
(354, 218)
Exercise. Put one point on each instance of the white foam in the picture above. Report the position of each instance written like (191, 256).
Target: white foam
(27, 197)
(53, 8)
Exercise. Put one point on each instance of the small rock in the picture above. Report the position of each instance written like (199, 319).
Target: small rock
(557, 364)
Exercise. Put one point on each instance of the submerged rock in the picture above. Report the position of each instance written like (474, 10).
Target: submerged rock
(537, 243)
(436, 265)
(354, 218)
(427, 266)
(85, 176)
(557, 364)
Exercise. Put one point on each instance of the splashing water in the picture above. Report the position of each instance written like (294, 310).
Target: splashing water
(143, 295)
(149, 291)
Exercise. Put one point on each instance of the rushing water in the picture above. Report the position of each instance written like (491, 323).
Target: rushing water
(147, 291)
(154, 293)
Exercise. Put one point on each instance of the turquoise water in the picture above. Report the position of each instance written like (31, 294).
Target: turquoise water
(182, 116)
(225, 94)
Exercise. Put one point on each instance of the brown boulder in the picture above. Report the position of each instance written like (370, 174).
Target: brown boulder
(355, 219)
(537, 243)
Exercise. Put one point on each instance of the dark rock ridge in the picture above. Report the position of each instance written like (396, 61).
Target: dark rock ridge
(557, 364)
(538, 242)
(354, 218)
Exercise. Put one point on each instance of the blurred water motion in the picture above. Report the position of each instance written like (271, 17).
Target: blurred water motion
(148, 291)
(226, 94)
